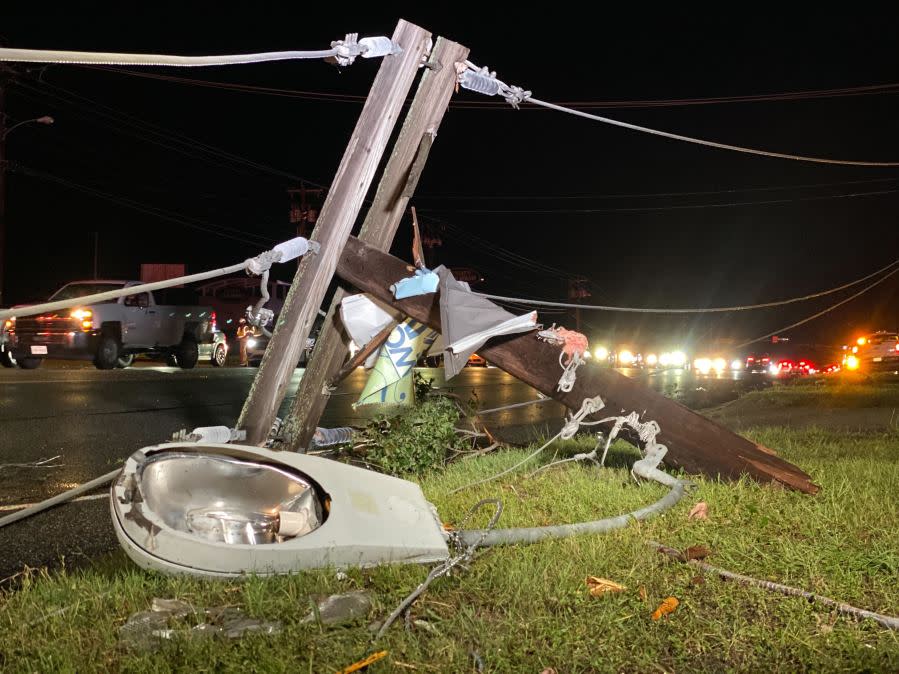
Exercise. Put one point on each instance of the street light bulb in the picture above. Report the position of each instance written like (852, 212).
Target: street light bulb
(46, 119)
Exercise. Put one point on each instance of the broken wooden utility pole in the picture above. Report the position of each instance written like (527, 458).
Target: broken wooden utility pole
(696, 444)
(396, 187)
(339, 213)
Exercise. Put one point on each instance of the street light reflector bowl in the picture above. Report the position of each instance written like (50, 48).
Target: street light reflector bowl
(225, 511)
(46, 119)
(220, 498)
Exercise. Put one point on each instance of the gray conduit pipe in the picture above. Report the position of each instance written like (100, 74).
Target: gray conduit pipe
(60, 498)
(528, 535)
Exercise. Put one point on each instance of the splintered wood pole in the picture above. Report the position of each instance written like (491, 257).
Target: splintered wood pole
(396, 187)
(339, 212)
(696, 444)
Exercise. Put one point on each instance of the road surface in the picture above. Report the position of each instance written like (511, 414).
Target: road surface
(92, 420)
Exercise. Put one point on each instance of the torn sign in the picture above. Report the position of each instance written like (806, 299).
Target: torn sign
(391, 379)
(469, 320)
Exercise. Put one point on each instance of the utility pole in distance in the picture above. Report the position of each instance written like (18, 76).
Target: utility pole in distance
(397, 184)
(339, 213)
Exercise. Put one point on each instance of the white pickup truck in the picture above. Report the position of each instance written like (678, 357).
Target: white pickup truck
(160, 324)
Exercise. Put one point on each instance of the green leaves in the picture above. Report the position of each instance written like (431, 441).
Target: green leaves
(415, 441)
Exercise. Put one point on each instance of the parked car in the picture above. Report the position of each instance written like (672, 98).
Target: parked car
(474, 360)
(216, 351)
(6, 358)
(758, 363)
(873, 351)
(257, 344)
(164, 324)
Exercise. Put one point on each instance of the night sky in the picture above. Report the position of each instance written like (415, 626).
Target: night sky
(529, 198)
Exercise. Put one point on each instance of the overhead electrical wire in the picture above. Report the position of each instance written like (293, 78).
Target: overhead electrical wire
(642, 195)
(699, 310)
(485, 82)
(820, 313)
(343, 52)
(210, 228)
(139, 128)
(641, 209)
(875, 89)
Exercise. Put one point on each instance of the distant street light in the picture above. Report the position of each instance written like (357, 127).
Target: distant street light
(46, 119)
(4, 132)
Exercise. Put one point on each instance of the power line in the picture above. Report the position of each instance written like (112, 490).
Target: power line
(820, 313)
(144, 208)
(167, 138)
(344, 52)
(635, 209)
(641, 195)
(709, 310)
(486, 83)
(875, 89)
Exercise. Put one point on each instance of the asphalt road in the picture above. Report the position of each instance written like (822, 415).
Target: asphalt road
(92, 420)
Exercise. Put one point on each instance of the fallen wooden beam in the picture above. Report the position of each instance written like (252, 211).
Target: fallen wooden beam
(696, 444)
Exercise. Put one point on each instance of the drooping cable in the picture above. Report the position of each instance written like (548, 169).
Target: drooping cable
(485, 82)
(344, 52)
(700, 310)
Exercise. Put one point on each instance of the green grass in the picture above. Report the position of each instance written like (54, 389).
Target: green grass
(522, 609)
(844, 392)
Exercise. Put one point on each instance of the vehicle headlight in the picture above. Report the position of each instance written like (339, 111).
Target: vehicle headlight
(651, 359)
(251, 343)
(601, 353)
(736, 365)
(852, 363)
(665, 359)
(625, 357)
(81, 314)
(720, 365)
(678, 359)
(704, 365)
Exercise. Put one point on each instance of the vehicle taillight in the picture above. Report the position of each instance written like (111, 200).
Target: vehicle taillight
(750, 359)
(897, 346)
(212, 317)
(765, 360)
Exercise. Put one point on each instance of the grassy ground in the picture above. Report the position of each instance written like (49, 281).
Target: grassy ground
(838, 392)
(522, 609)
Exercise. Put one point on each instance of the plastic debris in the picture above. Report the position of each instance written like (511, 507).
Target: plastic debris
(212, 435)
(340, 608)
(469, 320)
(146, 630)
(363, 663)
(666, 607)
(600, 586)
(364, 318)
(423, 282)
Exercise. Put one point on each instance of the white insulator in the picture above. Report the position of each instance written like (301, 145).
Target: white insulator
(215, 435)
(290, 250)
(373, 47)
(480, 82)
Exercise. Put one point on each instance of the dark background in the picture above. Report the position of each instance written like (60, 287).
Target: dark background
(145, 144)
